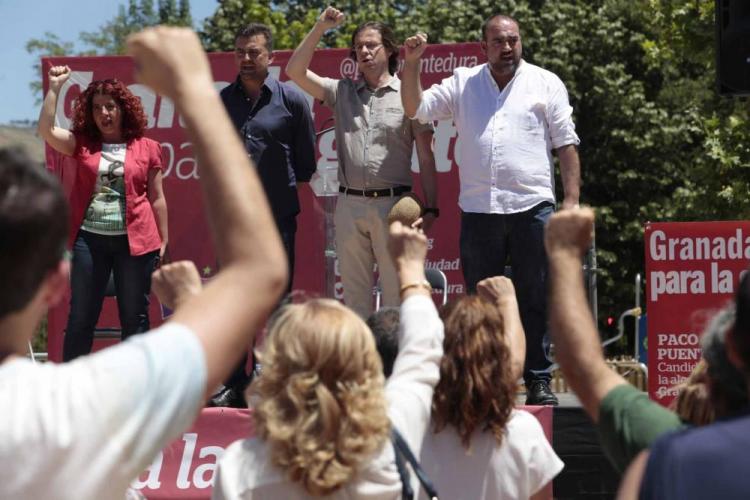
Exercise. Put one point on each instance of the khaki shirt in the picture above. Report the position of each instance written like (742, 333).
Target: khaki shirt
(374, 138)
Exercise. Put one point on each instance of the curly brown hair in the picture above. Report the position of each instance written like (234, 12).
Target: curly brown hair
(320, 402)
(133, 118)
(476, 388)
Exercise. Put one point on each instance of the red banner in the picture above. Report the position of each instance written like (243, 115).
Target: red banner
(185, 469)
(316, 270)
(692, 270)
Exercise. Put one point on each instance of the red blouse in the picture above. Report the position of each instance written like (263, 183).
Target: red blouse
(141, 156)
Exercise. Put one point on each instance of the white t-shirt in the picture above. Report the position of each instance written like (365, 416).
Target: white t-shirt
(86, 429)
(505, 137)
(245, 470)
(522, 465)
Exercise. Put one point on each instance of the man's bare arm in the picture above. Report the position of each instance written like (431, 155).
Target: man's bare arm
(411, 88)
(577, 346)
(236, 303)
(630, 486)
(427, 174)
(298, 67)
(570, 171)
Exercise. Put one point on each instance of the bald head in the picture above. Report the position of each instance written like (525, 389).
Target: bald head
(498, 18)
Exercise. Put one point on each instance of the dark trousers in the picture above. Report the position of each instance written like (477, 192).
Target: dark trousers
(486, 241)
(239, 379)
(94, 257)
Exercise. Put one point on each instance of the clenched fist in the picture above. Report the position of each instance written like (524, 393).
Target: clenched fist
(330, 18)
(174, 283)
(414, 47)
(497, 289)
(58, 75)
(170, 61)
(569, 231)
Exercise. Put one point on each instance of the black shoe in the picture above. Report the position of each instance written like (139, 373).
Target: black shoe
(228, 398)
(538, 393)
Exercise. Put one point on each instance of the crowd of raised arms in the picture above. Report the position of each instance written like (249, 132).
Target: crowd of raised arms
(343, 388)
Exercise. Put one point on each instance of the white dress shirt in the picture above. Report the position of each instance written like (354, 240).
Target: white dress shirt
(245, 470)
(505, 137)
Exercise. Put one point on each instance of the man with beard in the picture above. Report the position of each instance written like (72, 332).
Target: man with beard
(511, 116)
(374, 142)
(274, 122)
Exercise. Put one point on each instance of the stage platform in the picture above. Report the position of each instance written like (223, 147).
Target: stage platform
(185, 468)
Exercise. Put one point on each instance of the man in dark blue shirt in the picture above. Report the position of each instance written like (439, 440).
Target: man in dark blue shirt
(274, 122)
(703, 462)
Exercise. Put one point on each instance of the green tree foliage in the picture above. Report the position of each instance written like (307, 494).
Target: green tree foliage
(219, 30)
(682, 50)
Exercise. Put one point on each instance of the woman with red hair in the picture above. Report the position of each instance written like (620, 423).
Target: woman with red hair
(480, 446)
(118, 221)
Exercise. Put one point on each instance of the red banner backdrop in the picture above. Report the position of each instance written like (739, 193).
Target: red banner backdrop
(316, 271)
(692, 269)
(185, 469)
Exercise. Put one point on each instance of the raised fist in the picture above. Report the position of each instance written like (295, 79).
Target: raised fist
(408, 246)
(330, 18)
(414, 46)
(174, 283)
(170, 60)
(496, 289)
(569, 231)
(58, 75)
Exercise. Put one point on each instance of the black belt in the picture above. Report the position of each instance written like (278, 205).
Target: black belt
(376, 193)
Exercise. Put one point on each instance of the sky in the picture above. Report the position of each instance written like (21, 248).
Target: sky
(21, 20)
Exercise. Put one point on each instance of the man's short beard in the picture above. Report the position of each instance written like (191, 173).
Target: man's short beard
(509, 69)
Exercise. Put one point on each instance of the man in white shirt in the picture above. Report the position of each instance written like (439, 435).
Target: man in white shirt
(85, 429)
(511, 116)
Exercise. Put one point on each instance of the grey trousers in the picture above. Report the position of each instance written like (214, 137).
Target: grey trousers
(361, 242)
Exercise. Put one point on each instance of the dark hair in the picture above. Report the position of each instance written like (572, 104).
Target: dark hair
(33, 227)
(502, 17)
(476, 390)
(742, 321)
(728, 386)
(253, 29)
(384, 325)
(133, 118)
(388, 39)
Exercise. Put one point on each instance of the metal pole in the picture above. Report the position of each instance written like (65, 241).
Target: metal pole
(637, 352)
(590, 270)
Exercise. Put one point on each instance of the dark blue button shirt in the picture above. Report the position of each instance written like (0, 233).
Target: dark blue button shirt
(278, 134)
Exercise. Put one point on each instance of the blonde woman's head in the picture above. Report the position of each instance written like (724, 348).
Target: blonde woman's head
(320, 403)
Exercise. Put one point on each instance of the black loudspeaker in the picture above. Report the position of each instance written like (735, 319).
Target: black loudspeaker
(733, 47)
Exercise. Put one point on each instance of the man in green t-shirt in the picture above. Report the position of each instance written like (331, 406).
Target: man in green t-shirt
(627, 420)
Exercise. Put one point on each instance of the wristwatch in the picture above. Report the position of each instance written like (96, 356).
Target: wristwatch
(433, 211)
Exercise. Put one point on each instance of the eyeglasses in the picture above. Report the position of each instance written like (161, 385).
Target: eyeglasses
(371, 47)
(252, 53)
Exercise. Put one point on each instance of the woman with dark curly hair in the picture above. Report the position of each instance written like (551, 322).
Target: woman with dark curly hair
(321, 410)
(118, 210)
(481, 447)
